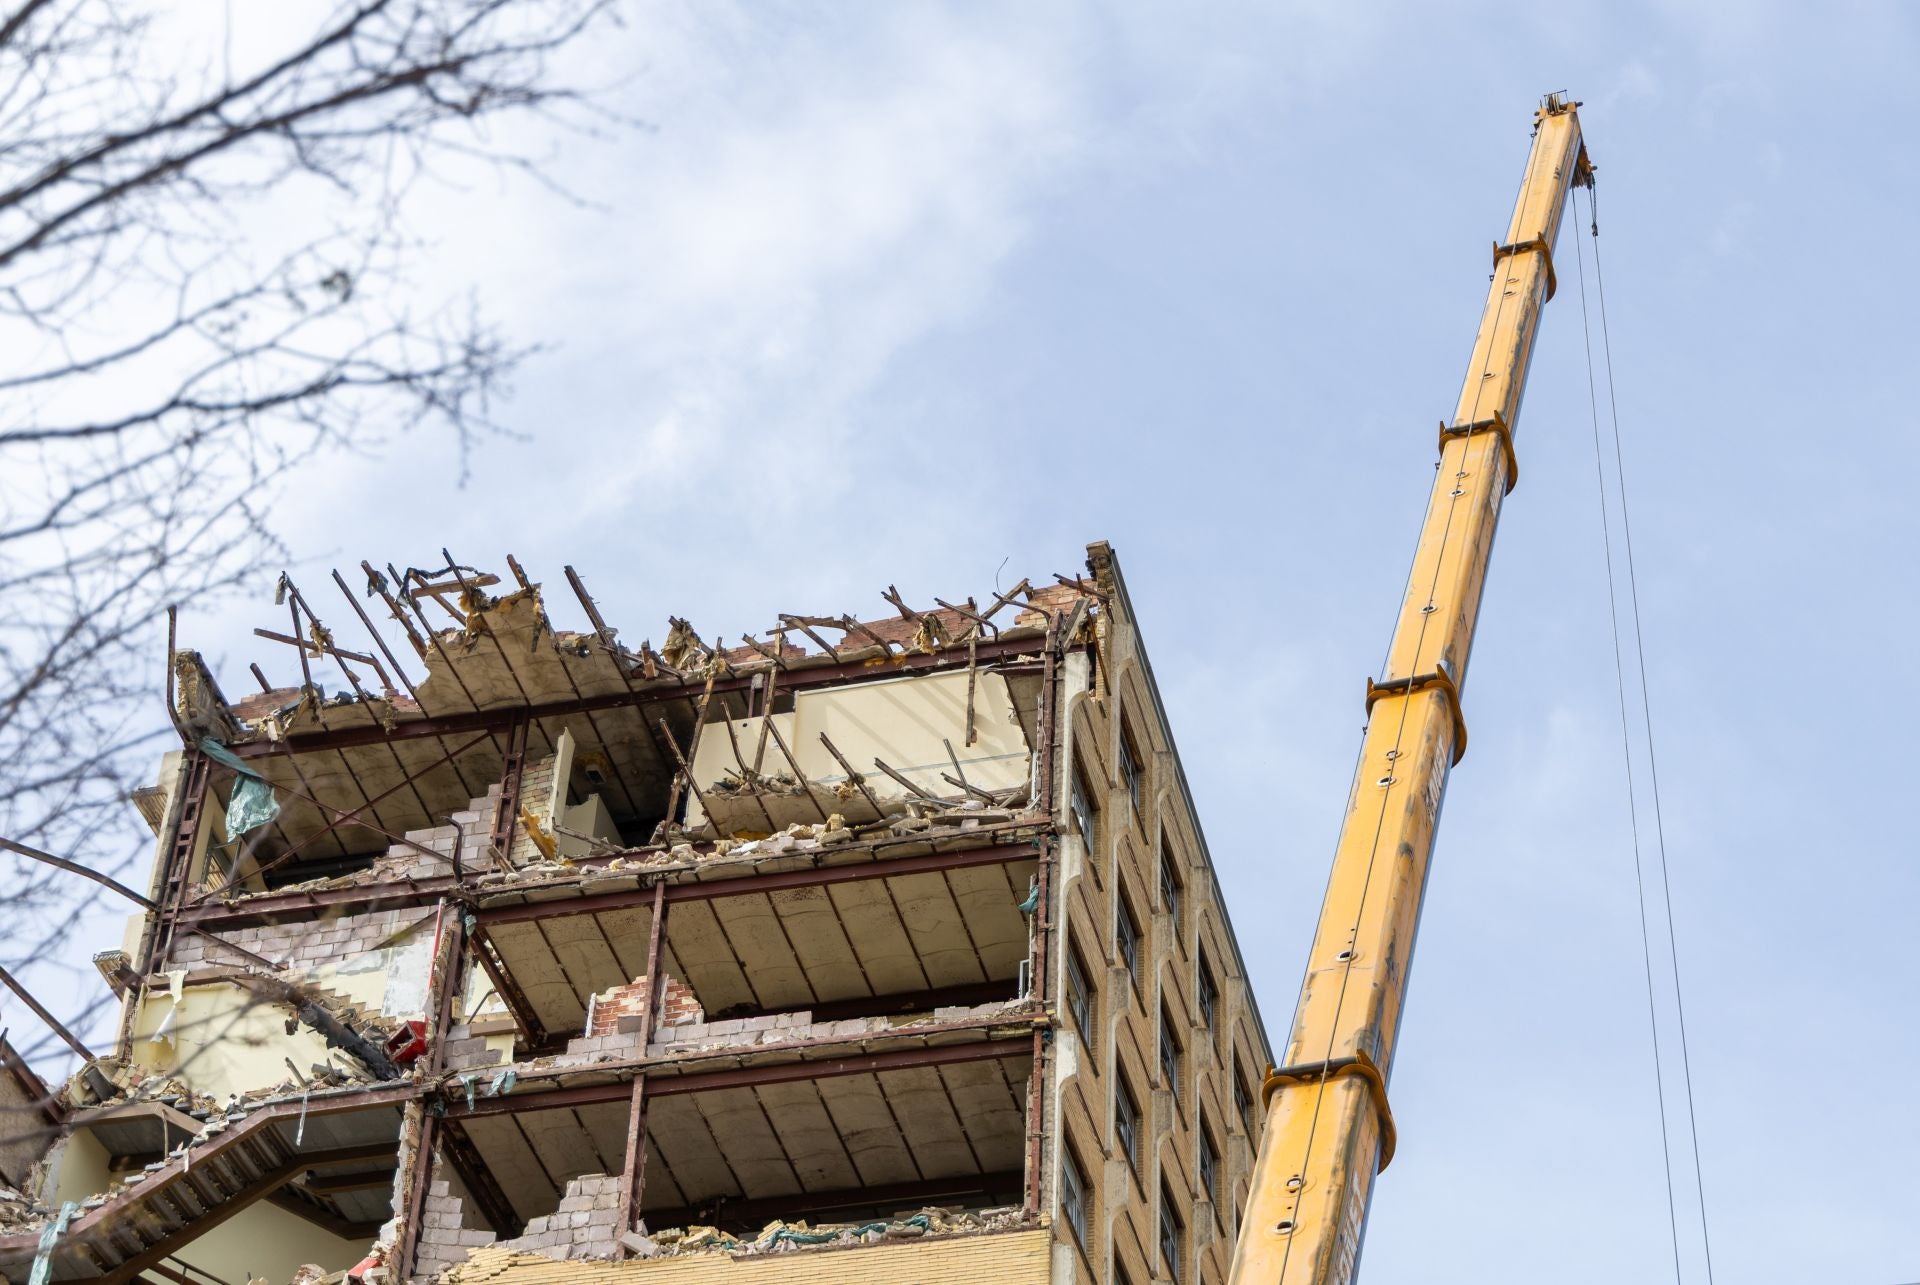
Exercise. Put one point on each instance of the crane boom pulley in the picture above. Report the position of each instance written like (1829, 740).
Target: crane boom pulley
(1329, 1129)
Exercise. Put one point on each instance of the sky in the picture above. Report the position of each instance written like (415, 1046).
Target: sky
(934, 296)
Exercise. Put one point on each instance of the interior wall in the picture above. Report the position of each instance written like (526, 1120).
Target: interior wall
(79, 1169)
(906, 721)
(264, 1240)
(222, 1040)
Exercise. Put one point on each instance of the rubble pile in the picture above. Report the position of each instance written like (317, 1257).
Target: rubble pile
(779, 1237)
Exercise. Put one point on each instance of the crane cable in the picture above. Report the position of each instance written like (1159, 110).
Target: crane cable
(1653, 768)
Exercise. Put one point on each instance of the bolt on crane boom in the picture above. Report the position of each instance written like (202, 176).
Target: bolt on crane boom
(1329, 1128)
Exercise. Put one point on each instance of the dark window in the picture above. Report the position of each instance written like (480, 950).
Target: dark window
(1126, 1122)
(1169, 887)
(1079, 995)
(1083, 812)
(1073, 1195)
(1209, 1162)
(1209, 994)
(1126, 938)
(1172, 1233)
(1169, 1056)
(1243, 1102)
(1130, 769)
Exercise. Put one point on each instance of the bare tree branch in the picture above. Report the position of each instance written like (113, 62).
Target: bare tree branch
(206, 282)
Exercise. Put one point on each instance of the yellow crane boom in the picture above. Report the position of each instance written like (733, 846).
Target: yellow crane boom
(1329, 1128)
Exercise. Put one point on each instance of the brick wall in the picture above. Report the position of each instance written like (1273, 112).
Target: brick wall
(465, 1051)
(536, 791)
(586, 1225)
(678, 1007)
(446, 1236)
(301, 947)
(622, 1010)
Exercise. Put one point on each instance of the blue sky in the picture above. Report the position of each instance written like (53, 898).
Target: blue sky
(890, 294)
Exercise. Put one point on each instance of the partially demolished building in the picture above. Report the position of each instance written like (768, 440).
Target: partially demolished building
(865, 950)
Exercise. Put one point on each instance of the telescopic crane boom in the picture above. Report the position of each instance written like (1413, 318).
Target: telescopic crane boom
(1328, 1125)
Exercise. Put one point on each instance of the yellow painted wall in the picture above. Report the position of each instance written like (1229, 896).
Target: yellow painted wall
(902, 720)
(224, 1040)
(1004, 1258)
(80, 1170)
(266, 1240)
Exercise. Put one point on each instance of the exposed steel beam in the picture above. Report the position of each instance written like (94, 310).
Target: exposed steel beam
(659, 1085)
(495, 720)
(774, 881)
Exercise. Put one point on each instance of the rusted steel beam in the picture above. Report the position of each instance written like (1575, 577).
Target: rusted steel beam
(633, 1175)
(433, 635)
(686, 770)
(283, 907)
(773, 881)
(656, 933)
(826, 1068)
(853, 778)
(507, 814)
(379, 642)
(495, 720)
(292, 906)
(417, 1179)
(831, 1068)
(339, 653)
(178, 873)
(798, 776)
(1031, 1187)
(600, 630)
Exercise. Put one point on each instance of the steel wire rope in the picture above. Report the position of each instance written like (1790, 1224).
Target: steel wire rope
(1399, 733)
(1646, 715)
(1626, 755)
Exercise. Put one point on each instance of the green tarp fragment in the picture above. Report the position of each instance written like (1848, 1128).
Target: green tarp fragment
(253, 802)
(49, 1241)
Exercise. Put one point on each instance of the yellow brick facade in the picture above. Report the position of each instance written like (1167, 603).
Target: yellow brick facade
(1004, 1258)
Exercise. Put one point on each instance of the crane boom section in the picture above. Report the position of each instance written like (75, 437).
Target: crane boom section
(1328, 1125)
